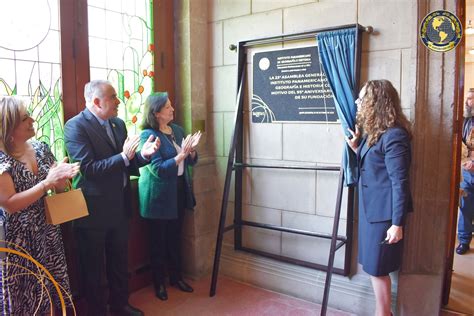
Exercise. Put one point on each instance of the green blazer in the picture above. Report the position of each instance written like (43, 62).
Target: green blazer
(157, 185)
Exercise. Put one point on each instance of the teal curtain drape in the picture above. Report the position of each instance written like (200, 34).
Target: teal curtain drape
(337, 50)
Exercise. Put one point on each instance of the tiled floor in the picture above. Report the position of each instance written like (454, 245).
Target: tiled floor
(232, 299)
(461, 298)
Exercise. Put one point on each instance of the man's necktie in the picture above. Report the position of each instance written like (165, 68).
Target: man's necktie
(108, 129)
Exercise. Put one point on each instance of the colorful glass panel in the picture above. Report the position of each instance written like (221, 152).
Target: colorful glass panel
(121, 51)
(30, 64)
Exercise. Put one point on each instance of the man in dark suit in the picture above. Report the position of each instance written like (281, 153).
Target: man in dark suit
(98, 140)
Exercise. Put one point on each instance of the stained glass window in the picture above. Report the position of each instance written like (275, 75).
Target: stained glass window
(121, 51)
(30, 64)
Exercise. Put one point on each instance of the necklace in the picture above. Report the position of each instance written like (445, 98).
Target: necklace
(169, 135)
(166, 130)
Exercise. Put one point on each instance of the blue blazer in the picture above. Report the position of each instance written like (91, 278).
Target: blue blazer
(157, 186)
(102, 169)
(384, 190)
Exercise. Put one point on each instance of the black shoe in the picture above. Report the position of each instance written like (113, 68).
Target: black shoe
(126, 310)
(183, 286)
(161, 293)
(462, 249)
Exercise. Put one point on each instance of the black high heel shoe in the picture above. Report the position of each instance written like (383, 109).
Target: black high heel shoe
(161, 293)
(183, 286)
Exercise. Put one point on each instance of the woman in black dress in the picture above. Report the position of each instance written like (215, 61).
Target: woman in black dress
(383, 154)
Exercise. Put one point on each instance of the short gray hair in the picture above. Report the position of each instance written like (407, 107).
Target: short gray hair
(93, 90)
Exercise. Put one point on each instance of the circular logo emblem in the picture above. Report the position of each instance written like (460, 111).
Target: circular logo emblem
(264, 63)
(441, 31)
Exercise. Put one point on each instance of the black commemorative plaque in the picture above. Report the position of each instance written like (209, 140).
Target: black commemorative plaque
(289, 85)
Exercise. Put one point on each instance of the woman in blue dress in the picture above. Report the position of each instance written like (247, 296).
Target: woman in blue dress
(382, 143)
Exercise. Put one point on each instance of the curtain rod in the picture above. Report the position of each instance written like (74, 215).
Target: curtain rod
(297, 36)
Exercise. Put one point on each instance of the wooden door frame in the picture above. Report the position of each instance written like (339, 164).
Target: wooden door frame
(163, 20)
(75, 51)
(74, 54)
(456, 152)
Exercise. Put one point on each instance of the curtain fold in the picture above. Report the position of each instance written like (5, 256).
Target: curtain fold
(337, 51)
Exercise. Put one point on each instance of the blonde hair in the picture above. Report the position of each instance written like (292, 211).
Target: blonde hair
(9, 120)
(380, 110)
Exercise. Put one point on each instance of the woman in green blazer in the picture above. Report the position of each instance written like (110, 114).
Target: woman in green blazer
(165, 190)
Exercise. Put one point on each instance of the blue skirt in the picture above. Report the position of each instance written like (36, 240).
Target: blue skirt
(377, 259)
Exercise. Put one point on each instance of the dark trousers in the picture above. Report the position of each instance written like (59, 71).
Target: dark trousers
(466, 215)
(93, 245)
(466, 208)
(165, 242)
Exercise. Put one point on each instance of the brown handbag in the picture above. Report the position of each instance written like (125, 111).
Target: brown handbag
(66, 206)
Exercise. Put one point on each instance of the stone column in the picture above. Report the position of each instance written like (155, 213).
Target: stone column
(191, 61)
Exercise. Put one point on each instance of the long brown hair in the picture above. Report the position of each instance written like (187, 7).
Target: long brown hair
(9, 120)
(380, 110)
